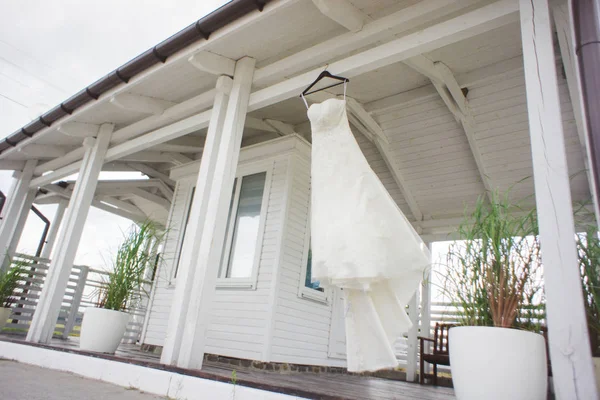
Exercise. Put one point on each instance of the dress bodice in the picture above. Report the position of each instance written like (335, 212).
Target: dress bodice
(327, 115)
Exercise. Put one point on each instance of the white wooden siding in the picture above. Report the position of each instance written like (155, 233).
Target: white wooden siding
(301, 326)
(239, 316)
(238, 319)
(160, 301)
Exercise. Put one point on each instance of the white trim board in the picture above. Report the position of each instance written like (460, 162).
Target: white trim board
(149, 380)
(270, 149)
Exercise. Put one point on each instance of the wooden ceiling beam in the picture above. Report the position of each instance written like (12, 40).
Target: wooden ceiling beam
(152, 173)
(453, 97)
(144, 194)
(282, 128)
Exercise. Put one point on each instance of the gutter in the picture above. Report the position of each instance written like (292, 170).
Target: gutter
(586, 15)
(201, 29)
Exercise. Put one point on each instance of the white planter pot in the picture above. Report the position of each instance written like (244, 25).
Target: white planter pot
(102, 330)
(4, 316)
(497, 363)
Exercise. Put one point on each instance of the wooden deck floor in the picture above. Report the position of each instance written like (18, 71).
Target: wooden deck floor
(326, 386)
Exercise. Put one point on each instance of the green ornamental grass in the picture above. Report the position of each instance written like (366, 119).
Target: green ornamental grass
(9, 281)
(124, 284)
(588, 247)
(494, 269)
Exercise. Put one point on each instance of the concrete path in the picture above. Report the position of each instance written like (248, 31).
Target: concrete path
(27, 382)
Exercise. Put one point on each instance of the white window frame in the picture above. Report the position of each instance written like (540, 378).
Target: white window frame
(182, 231)
(250, 282)
(303, 291)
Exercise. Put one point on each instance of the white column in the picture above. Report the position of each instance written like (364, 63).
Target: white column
(48, 307)
(570, 355)
(15, 213)
(21, 221)
(54, 227)
(193, 341)
(178, 316)
(425, 322)
(413, 345)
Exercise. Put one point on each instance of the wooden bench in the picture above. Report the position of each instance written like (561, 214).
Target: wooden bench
(439, 356)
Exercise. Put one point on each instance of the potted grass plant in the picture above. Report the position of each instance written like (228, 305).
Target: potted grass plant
(9, 281)
(494, 280)
(103, 327)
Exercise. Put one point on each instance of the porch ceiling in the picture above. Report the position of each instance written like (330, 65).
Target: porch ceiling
(138, 199)
(427, 144)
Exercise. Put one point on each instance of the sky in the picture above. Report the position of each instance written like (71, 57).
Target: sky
(49, 50)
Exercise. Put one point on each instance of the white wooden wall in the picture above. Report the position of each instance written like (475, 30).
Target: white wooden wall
(301, 326)
(237, 327)
(239, 318)
(162, 292)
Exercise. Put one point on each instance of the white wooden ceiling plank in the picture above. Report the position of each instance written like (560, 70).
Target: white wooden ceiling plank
(417, 111)
(437, 112)
(401, 21)
(415, 140)
(39, 151)
(420, 123)
(343, 12)
(140, 104)
(449, 151)
(212, 63)
(78, 129)
(470, 24)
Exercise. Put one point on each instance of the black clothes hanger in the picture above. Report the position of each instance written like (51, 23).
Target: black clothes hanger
(322, 75)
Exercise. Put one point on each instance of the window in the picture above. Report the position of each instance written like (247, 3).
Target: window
(245, 224)
(185, 225)
(309, 289)
(308, 280)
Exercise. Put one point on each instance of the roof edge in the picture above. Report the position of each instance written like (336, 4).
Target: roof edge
(201, 29)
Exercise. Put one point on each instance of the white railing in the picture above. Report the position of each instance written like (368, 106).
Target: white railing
(82, 291)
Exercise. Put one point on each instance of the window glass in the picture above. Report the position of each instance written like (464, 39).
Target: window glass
(185, 225)
(307, 282)
(245, 227)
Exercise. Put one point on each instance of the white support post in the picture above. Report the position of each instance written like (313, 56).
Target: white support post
(193, 236)
(76, 301)
(48, 308)
(413, 344)
(193, 341)
(20, 223)
(425, 321)
(19, 203)
(54, 227)
(569, 345)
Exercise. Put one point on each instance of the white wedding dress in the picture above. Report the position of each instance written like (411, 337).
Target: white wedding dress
(361, 241)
